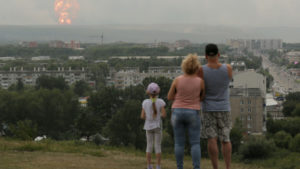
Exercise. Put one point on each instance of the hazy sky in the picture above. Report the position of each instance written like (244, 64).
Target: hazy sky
(256, 13)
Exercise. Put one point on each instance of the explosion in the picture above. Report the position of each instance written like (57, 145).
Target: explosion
(66, 10)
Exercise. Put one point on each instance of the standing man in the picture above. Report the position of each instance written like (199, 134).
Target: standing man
(216, 105)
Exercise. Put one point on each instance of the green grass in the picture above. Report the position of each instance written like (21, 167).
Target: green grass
(51, 146)
(50, 154)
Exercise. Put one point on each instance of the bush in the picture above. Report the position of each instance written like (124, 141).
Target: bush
(24, 130)
(236, 136)
(256, 147)
(282, 139)
(167, 142)
(295, 143)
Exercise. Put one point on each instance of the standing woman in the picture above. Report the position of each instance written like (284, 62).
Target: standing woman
(187, 90)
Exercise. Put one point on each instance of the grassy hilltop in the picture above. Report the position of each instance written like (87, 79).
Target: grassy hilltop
(77, 155)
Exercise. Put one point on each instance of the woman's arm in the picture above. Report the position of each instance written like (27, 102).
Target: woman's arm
(143, 114)
(172, 91)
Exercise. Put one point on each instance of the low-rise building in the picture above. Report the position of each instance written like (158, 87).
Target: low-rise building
(7, 78)
(7, 58)
(131, 76)
(41, 58)
(76, 57)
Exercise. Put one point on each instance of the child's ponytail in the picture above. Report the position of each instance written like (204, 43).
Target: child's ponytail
(154, 106)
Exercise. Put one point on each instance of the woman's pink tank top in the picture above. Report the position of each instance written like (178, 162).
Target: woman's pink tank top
(188, 90)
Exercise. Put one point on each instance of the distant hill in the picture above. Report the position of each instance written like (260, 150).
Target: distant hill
(143, 33)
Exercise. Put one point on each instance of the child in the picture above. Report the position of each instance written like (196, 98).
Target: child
(152, 111)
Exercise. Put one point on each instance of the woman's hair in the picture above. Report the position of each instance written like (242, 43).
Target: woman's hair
(190, 64)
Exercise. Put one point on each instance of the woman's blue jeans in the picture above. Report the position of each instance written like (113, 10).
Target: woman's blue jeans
(182, 120)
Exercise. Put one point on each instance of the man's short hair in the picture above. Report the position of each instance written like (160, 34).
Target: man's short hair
(211, 50)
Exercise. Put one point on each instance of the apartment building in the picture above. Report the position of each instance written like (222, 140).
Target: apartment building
(247, 105)
(255, 44)
(247, 96)
(131, 76)
(7, 78)
(250, 79)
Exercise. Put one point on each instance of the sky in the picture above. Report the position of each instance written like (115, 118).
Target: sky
(242, 13)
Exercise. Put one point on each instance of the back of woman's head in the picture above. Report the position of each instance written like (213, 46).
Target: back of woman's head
(190, 64)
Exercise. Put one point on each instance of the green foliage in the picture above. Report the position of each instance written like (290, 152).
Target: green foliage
(99, 72)
(268, 76)
(288, 108)
(296, 111)
(104, 104)
(87, 124)
(256, 148)
(251, 62)
(291, 107)
(49, 82)
(126, 127)
(143, 64)
(81, 87)
(24, 130)
(295, 143)
(53, 111)
(282, 139)
(167, 142)
(289, 125)
(31, 147)
(277, 57)
(236, 135)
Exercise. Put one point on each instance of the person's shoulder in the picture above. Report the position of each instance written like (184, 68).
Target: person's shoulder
(161, 101)
(228, 66)
(146, 101)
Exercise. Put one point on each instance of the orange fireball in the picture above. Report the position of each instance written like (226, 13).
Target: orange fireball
(66, 10)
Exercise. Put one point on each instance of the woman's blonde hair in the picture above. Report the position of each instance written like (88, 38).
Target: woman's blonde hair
(190, 64)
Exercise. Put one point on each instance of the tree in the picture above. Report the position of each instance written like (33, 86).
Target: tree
(81, 87)
(99, 73)
(24, 130)
(87, 124)
(256, 148)
(296, 111)
(236, 135)
(104, 104)
(282, 139)
(126, 127)
(289, 125)
(295, 143)
(49, 82)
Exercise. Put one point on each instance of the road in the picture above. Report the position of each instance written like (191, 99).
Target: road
(283, 81)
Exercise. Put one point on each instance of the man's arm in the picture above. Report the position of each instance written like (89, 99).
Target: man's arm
(229, 69)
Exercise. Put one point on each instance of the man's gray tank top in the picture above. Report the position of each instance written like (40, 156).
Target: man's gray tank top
(216, 89)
